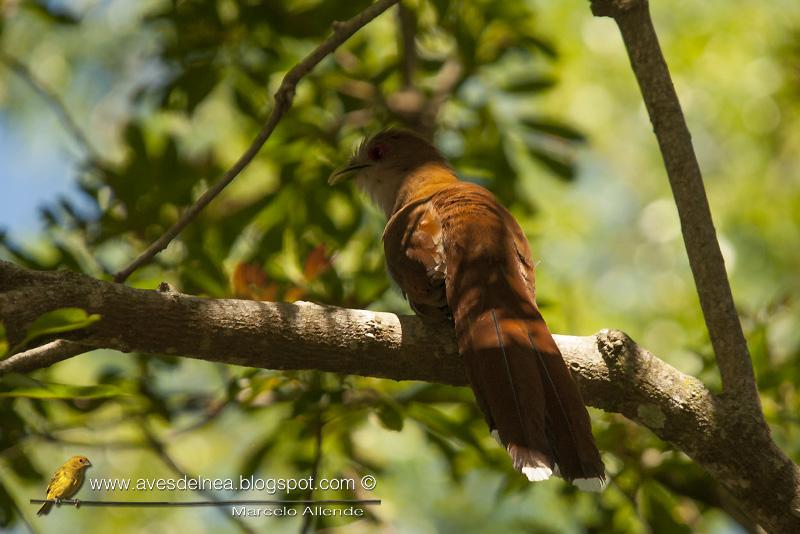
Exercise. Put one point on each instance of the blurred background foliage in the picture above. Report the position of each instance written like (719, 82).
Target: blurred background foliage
(535, 100)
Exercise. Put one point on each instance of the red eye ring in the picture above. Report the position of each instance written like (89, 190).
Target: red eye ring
(376, 152)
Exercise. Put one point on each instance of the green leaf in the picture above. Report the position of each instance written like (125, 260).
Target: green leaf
(437, 422)
(3, 340)
(14, 428)
(18, 461)
(52, 14)
(57, 322)
(390, 415)
(536, 42)
(16, 385)
(61, 320)
(7, 515)
(530, 85)
(553, 128)
(256, 457)
(564, 170)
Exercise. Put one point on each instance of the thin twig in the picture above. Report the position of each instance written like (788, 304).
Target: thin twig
(55, 102)
(686, 181)
(42, 356)
(283, 101)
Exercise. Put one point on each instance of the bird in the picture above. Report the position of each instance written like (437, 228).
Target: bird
(459, 255)
(66, 482)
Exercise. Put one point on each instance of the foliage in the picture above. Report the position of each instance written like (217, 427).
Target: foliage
(56, 321)
(509, 120)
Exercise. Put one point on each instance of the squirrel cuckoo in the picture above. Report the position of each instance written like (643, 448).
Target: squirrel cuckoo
(459, 255)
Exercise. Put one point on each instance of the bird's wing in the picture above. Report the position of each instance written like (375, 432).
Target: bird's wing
(56, 482)
(516, 370)
(416, 258)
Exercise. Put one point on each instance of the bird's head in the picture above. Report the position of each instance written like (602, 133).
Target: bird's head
(383, 161)
(79, 462)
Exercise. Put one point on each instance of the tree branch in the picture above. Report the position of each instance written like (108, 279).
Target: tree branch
(686, 181)
(342, 31)
(614, 374)
(44, 355)
(408, 34)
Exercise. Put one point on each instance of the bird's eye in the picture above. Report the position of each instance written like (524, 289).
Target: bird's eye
(376, 152)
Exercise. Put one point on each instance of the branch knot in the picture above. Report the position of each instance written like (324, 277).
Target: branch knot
(613, 345)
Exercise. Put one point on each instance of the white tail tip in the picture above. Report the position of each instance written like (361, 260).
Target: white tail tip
(590, 484)
(537, 474)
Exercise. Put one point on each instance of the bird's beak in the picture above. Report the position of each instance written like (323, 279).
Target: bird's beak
(88, 463)
(346, 171)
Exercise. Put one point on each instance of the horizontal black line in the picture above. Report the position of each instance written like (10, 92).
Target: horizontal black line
(277, 502)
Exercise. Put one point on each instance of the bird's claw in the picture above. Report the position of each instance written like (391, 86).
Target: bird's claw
(77, 503)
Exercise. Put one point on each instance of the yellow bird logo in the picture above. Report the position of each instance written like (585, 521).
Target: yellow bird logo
(66, 482)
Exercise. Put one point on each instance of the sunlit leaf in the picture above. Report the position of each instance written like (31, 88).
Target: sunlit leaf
(58, 321)
(16, 385)
(52, 12)
(3, 340)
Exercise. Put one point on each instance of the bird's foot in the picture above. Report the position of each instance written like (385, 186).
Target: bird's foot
(77, 503)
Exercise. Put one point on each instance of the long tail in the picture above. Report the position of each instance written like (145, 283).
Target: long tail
(523, 385)
(45, 509)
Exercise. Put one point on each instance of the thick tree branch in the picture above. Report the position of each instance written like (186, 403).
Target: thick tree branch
(613, 372)
(342, 31)
(702, 247)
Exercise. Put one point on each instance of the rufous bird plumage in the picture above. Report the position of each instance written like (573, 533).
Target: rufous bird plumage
(459, 255)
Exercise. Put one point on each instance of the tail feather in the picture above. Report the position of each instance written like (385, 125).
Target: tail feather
(45, 509)
(493, 359)
(567, 420)
(512, 386)
(531, 463)
(525, 390)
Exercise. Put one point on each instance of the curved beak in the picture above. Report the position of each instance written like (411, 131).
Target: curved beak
(88, 463)
(346, 171)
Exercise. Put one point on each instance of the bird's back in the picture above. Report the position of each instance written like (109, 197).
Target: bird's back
(456, 251)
